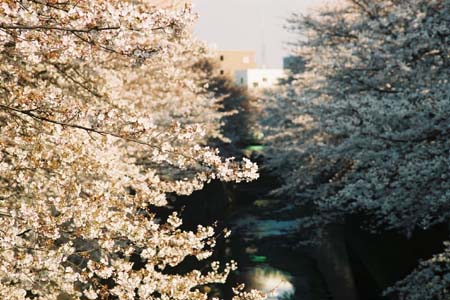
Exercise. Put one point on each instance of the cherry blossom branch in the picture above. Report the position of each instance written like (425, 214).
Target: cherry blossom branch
(71, 78)
(90, 129)
(54, 6)
(108, 49)
(429, 136)
(68, 29)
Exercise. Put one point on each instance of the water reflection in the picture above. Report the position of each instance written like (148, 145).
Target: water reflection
(265, 244)
(271, 281)
(252, 227)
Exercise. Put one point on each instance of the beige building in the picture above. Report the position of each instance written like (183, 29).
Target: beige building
(232, 61)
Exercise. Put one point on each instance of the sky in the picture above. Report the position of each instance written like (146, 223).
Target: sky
(250, 24)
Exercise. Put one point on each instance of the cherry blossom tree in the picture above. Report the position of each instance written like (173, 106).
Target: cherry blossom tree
(237, 111)
(365, 128)
(429, 281)
(102, 115)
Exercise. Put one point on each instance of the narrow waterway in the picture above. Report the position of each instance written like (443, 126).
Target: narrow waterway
(265, 243)
(273, 255)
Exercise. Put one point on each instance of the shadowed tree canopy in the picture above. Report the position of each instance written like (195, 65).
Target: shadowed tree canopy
(365, 128)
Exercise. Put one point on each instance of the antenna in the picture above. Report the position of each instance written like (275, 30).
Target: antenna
(263, 36)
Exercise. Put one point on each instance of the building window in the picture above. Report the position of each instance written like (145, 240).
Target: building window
(221, 58)
(264, 79)
(246, 60)
(221, 72)
(255, 84)
(242, 80)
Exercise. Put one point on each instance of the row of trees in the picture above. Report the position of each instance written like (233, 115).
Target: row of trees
(102, 114)
(365, 129)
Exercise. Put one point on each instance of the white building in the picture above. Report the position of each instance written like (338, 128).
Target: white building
(258, 78)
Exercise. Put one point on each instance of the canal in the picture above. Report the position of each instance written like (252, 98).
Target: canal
(276, 256)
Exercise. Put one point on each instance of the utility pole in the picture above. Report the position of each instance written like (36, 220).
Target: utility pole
(263, 36)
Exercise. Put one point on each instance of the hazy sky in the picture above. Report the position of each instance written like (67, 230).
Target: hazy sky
(238, 25)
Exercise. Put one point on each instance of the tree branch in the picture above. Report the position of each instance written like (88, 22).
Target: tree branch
(90, 129)
(429, 136)
(68, 76)
(54, 6)
(68, 29)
